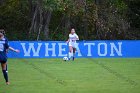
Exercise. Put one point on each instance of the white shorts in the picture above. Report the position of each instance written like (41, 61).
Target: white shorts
(74, 45)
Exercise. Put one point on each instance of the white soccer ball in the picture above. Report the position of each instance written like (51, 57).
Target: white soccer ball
(65, 58)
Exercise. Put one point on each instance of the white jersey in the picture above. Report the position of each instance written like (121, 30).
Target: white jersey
(72, 39)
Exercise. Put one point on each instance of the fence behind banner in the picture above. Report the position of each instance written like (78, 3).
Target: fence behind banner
(91, 49)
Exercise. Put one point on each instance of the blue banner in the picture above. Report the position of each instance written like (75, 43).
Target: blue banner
(91, 49)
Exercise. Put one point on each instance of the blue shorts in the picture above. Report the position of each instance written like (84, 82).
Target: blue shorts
(3, 62)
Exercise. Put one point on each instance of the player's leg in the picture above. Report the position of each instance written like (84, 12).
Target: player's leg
(5, 73)
(74, 50)
(70, 52)
(6, 68)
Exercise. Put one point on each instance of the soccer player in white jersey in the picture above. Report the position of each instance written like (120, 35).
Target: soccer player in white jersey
(73, 37)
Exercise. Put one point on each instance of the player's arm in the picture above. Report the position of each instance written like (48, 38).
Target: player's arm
(10, 48)
(76, 37)
(15, 50)
(68, 40)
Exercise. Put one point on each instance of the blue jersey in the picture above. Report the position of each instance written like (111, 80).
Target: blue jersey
(3, 49)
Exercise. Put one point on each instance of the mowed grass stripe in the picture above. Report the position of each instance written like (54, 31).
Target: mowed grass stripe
(82, 76)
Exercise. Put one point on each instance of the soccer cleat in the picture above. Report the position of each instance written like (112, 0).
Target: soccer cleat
(7, 83)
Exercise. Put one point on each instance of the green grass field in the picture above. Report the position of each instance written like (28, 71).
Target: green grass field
(81, 76)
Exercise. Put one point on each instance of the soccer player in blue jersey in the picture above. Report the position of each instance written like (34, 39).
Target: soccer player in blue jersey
(4, 47)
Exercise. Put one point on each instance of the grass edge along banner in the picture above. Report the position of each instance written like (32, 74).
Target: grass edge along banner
(85, 49)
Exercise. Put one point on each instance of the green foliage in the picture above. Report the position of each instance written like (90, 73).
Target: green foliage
(16, 17)
(120, 4)
(51, 4)
(13, 19)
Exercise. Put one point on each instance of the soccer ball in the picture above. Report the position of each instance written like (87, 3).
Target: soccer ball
(65, 58)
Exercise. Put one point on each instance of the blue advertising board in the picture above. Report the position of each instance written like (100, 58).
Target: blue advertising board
(91, 49)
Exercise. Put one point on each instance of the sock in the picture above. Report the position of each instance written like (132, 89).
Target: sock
(6, 68)
(69, 54)
(5, 74)
(73, 56)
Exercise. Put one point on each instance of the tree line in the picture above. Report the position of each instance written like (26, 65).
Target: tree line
(53, 19)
